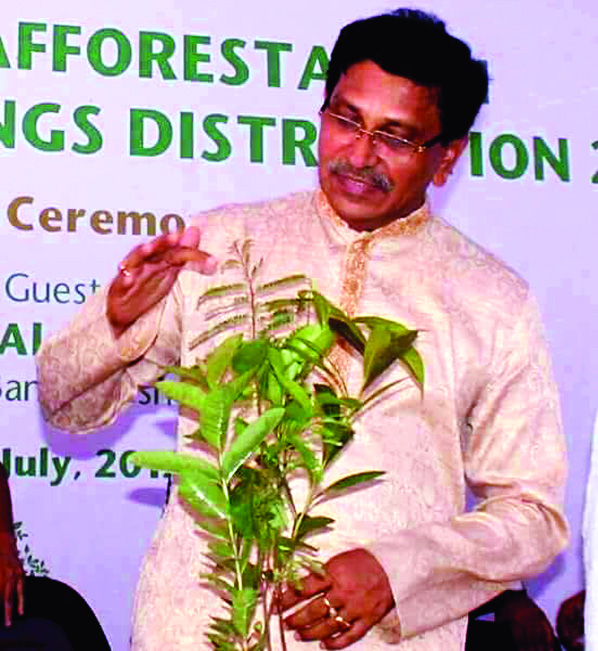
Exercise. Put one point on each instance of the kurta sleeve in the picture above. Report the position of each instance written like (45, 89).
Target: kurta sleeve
(87, 377)
(514, 461)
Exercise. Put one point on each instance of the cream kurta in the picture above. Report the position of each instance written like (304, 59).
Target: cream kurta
(488, 418)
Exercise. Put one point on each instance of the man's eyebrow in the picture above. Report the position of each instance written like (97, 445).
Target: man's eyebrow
(397, 123)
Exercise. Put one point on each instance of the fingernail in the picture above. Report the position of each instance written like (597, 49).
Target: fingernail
(211, 264)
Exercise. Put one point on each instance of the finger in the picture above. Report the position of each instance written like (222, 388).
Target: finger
(200, 261)
(331, 625)
(313, 612)
(358, 629)
(321, 630)
(154, 248)
(310, 586)
(190, 237)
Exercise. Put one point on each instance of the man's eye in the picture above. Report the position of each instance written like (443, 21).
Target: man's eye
(394, 142)
(348, 122)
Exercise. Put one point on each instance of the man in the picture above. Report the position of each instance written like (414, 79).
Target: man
(406, 563)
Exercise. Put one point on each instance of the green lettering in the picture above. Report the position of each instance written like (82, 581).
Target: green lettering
(8, 126)
(224, 148)
(240, 67)
(317, 58)
(4, 62)
(595, 176)
(256, 134)
(124, 52)
(147, 55)
(291, 142)
(56, 141)
(12, 339)
(273, 50)
(560, 165)
(94, 137)
(193, 57)
(476, 159)
(26, 46)
(37, 337)
(521, 157)
(187, 134)
(137, 140)
(60, 47)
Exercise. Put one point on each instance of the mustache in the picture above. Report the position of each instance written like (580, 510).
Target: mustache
(366, 174)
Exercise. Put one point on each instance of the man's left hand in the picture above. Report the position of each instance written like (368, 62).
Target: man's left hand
(352, 596)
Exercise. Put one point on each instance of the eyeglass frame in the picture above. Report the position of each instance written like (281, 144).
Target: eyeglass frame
(378, 136)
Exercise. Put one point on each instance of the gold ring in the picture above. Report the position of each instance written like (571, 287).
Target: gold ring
(124, 270)
(332, 611)
(342, 621)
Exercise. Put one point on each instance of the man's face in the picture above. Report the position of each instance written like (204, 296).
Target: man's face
(367, 183)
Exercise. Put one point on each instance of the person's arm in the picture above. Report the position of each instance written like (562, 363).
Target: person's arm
(11, 570)
(514, 460)
(121, 339)
(515, 463)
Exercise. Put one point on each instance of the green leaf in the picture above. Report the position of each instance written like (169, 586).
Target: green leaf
(243, 608)
(222, 626)
(415, 364)
(202, 494)
(188, 395)
(227, 324)
(221, 548)
(176, 462)
(308, 457)
(310, 524)
(351, 481)
(336, 435)
(214, 527)
(295, 390)
(282, 282)
(249, 441)
(251, 355)
(345, 328)
(375, 322)
(313, 341)
(194, 373)
(382, 349)
(221, 290)
(339, 322)
(215, 416)
(220, 358)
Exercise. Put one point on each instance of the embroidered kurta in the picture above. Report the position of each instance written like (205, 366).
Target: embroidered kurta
(488, 418)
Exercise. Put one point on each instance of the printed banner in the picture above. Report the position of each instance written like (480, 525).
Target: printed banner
(120, 120)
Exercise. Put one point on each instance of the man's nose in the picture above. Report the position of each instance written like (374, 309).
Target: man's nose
(363, 150)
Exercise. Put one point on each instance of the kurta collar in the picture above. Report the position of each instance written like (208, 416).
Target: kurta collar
(409, 225)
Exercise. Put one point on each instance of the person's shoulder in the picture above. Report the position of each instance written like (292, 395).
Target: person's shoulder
(279, 207)
(475, 268)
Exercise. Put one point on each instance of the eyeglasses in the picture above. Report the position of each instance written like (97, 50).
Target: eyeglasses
(394, 144)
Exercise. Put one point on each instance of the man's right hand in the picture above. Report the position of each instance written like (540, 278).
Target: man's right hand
(148, 273)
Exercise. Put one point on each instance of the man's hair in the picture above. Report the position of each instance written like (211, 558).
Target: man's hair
(413, 44)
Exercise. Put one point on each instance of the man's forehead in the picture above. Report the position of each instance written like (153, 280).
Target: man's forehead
(366, 86)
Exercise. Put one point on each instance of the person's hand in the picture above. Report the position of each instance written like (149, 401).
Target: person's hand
(569, 622)
(11, 578)
(352, 596)
(148, 272)
(527, 623)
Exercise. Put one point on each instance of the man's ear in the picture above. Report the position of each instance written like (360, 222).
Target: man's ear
(452, 152)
